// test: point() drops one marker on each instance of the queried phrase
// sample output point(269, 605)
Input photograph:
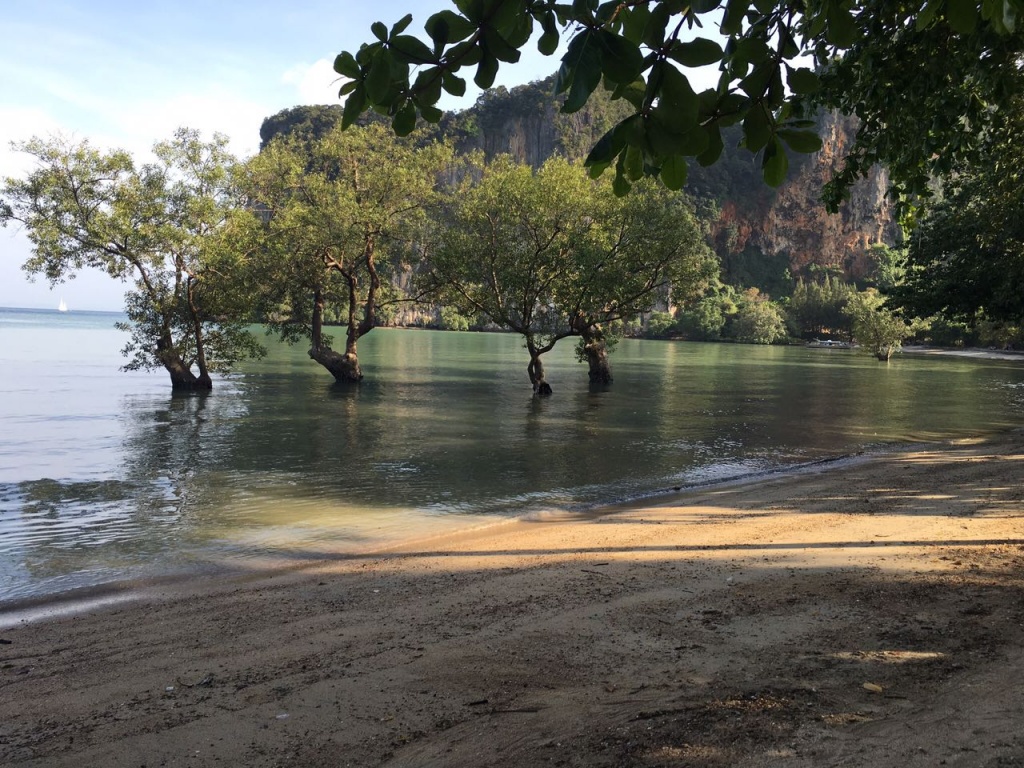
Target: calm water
point(105, 475)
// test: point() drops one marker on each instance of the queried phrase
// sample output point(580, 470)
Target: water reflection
point(280, 461)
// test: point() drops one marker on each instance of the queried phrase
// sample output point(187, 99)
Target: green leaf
point(467, 53)
point(800, 141)
point(378, 79)
point(498, 47)
point(962, 15)
point(456, 86)
point(505, 15)
point(927, 15)
point(696, 53)
point(401, 25)
point(606, 149)
point(379, 31)
point(449, 26)
point(678, 102)
point(431, 114)
point(632, 92)
point(775, 164)
point(620, 186)
point(580, 71)
point(404, 121)
point(841, 29)
point(757, 128)
point(471, 9)
point(732, 21)
point(621, 60)
point(714, 149)
point(411, 50)
point(704, 6)
point(693, 142)
point(634, 22)
point(353, 106)
point(548, 42)
point(486, 71)
point(347, 88)
point(755, 85)
point(654, 32)
point(345, 64)
point(673, 172)
point(634, 163)
point(803, 81)
point(428, 86)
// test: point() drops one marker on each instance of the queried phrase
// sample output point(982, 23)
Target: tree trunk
point(344, 368)
point(203, 381)
point(182, 378)
point(596, 351)
point(536, 372)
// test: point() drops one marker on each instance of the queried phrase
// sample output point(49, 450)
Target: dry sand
point(863, 615)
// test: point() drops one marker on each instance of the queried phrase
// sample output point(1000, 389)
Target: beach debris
point(281, 716)
point(5, 641)
point(873, 687)
point(169, 689)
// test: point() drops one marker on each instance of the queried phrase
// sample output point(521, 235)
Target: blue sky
point(126, 74)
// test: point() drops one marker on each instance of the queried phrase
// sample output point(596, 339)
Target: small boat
point(62, 307)
point(829, 344)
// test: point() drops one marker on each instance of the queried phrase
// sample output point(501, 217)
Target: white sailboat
point(62, 307)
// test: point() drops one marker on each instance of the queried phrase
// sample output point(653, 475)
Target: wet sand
point(864, 614)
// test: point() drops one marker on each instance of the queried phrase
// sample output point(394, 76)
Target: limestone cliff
point(764, 237)
point(786, 228)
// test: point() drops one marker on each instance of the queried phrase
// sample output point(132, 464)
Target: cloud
point(21, 124)
point(316, 83)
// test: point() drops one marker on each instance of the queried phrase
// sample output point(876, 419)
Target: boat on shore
point(829, 344)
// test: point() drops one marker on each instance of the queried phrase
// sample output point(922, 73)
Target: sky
point(126, 74)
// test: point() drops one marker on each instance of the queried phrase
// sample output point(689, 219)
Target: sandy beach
point(865, 614)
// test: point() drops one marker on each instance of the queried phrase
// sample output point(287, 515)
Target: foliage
point(818, 308)
point(338, 213)
point(660, 324)
point(551, 254)
point(706, 318)
point(965, 260)
point(453, 320)
point(875, 326)
point(888, 267)
point(920, 121)
point(308, 122)
point(759, 319)
point(168, 226)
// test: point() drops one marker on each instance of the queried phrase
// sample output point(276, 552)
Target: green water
point(105, 475)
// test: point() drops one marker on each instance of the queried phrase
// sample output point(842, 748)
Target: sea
point(109, 479)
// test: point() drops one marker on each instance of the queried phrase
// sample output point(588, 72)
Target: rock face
point(787, 229)
point(791, 220)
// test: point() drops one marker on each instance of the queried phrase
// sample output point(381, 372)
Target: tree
point(167, 226)
point(817, 308)
point(965, 260)
point(875, 326)
point(926, 78)
point(551, 254)
point(759, 319)
point(705, 318)
point(338, 213)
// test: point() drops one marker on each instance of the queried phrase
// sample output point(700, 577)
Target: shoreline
point(76, 600)
point(871, 614)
